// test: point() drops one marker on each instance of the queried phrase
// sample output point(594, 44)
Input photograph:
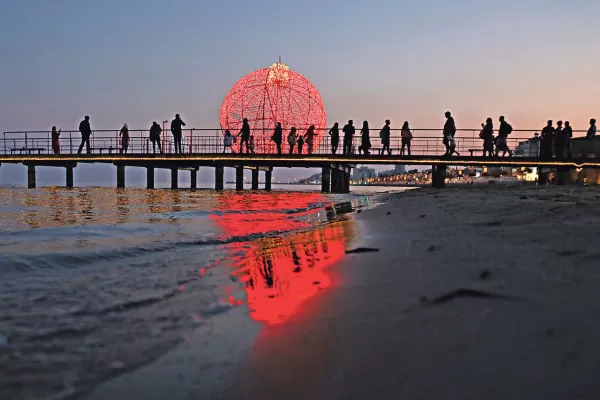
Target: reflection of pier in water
point(281, 271)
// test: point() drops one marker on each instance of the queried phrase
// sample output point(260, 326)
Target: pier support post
point(239, 178)
point(219, 172)
point(345, 181)
point(193, 179)
point(69, 170)
point(542, 176)
point(326, 180)
point(174, 178)
point(268, 178)
point(120, 176)
point(438, 176)
point(150, 177)
point(31, 176)
point(335, 180)
point(255, 179)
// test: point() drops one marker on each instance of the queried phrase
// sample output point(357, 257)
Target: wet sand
point(475, 292)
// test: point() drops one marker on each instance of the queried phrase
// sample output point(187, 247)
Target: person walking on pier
point(449, 131)
point(300, 143)
point(251, 144)
point(385, 134)
point(124, 135)
point(567, 136)
point(245, 134)
point(546, 140)
point(349, 132)
point(86, 132)
point(559, 141)
point(502, 142)
point(334, 132)
point(487, 134)
point(155, 131)
point(227, 141)
point(592, 131)
point(292, 140)
point(365, 142)
point(406, 138)
point(278, 137)
point(55, 144)
point(176, 125)
point(310, 138)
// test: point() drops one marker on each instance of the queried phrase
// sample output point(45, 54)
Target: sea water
point(96, 281)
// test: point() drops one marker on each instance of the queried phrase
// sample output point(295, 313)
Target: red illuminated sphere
point(271, 95)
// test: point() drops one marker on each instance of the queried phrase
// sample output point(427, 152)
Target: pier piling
point(150, 177)
point(31, 176)
point(255, 179)
point(194, 179)
point(219, 172)
point(326, 180)
point(268, 178)
point(69, 170)
point(438, 176)
point(239, 178)
point(174, 178)
point(120, 176)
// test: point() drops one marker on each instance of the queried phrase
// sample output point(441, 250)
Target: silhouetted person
point(124, 135)
point(449, 131)
point(310, 138)
point(245, 134)
point(292, 139)
point(227, 141)
point(546, 140)
point(334, 132)
point(55, 144)
point(365, 140)
point(155, 131)
point(406, 138)
point(559, 141)
point(86, 132)
point(385, 134)
point(567, 136)
point(349, 132)
point(176, 125)
point(488, 138)
point(502, 142)
point(251, 144)
point(278, 137)
point(300, 143)
point(592, 131)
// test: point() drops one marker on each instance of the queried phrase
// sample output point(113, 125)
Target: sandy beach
point(474, 292)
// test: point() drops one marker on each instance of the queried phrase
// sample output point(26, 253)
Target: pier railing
point(211, 141)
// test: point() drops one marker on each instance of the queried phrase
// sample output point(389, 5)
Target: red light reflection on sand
point(282, 271)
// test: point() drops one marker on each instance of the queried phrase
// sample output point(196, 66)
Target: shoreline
point(476, 292)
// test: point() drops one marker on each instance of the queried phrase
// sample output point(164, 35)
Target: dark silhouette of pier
point(203, 148)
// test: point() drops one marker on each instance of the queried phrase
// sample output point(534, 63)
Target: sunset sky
point(137, 61)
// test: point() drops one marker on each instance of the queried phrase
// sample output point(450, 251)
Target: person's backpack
point(381, 133)
point(482, 134)
point(508, 129)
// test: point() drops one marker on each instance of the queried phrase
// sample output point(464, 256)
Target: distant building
point(363, 173)
point(528, 148)
point(400, 169)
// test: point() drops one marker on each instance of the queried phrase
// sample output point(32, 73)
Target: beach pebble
point(549, 332)
point(485, 274)
point(432, 248)
point(422, 216)
point(389, 213)
point(523, 197)
point(3, 342)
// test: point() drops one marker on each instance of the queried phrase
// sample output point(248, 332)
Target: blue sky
point(137, 61)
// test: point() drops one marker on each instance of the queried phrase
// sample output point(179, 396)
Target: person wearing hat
point(176, 125)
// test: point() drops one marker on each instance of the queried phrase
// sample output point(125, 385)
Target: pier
point(204, 149)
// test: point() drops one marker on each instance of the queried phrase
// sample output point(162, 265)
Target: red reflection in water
point(282, 271)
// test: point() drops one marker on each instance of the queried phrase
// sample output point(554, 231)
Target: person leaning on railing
point(55, 144)
point(155, 131)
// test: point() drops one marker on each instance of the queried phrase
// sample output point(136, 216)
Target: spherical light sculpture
point(271, 95)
